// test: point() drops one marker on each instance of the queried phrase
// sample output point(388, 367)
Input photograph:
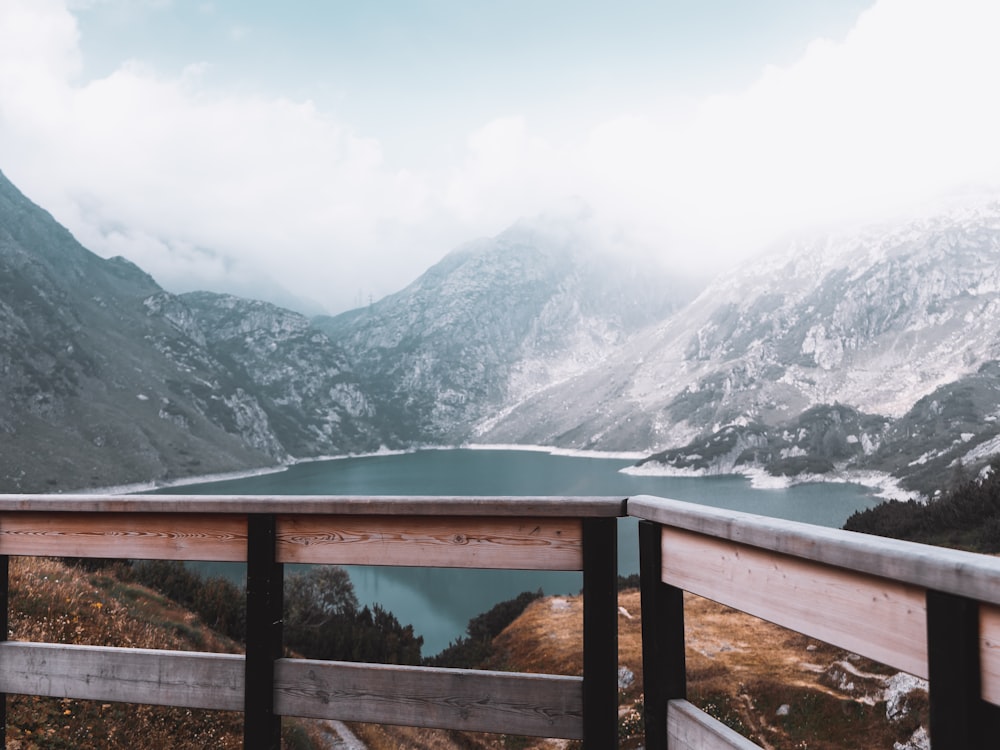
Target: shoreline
point(142, 487)
point(887, 486)
point(555, 451)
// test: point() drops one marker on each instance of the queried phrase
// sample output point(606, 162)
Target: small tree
point(323, 621)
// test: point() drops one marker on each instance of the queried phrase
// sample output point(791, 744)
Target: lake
point(439, 602)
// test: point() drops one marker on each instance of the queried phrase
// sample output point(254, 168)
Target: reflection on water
point(438, 601)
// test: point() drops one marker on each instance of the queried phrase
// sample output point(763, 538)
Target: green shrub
point(966, 516)
point(474, 649)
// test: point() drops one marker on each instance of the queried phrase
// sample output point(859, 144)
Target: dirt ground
point(780, 689)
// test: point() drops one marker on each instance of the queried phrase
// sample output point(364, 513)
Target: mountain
point(496, 321)
point(874, 319)
point(109, 379)
point(293, 394)
point(871, 350)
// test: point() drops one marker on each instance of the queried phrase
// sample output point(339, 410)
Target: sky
point(332, 151)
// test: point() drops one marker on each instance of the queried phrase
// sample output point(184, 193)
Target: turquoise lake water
point(439, 602)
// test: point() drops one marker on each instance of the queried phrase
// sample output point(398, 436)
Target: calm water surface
point(438, 601)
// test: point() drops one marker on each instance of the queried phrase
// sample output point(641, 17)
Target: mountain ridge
point(873, 350)
point(875, 319)
point(110, 380)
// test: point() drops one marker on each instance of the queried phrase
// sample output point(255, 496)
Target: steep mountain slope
point(82, 387)
point(493, 322)
point(875, 319)
point(871, 350)
point(300, 378)
point(108, 379)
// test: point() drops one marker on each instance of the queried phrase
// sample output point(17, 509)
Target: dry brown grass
point(51, 602)
point(740, 669)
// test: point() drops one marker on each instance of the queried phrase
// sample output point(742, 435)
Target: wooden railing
point(928, 611)
point(571, 533)
point(932, 612)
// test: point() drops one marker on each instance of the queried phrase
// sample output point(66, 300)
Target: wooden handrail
point(378, 505)
point(964, 573)
point(930, 611)
point(534, 533)
point(926, 610)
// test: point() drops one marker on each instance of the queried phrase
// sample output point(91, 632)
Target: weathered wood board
point(452, 542)
point(690, 728)
point(481, 701)
point(382, 505)
point(878, 618)
point(166, 536)
point(164, 678)
point(967, 574)
point(989, 652)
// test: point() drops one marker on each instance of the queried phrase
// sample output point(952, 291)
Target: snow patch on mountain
point(875, 318)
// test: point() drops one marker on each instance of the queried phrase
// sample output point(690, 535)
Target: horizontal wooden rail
point(140, 536)
point(963, 573)
point(928, 611)
point(132, 675)
point(427, 541)
point(541, 533)
point(875, 617)
point(472, 700)
point(381, 505)
point(443, 542)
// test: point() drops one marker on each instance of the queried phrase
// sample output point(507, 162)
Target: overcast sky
point(337, 149)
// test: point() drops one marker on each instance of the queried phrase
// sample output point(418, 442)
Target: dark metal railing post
point(959, 717)
point(664, 668)
point(600, 633)
point(4, 625)
point(261, 726)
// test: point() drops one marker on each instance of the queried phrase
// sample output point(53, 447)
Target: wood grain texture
point(878, 618)
point(163, 678)
point(480, 701)
point(989, 652)
point(388, 505)
point(166, 536)
point(965, 573)
point(449, 542)
point(690, 728)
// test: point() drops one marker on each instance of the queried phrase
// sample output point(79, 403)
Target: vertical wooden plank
point(664, 665)
point(600, 633)
point(956, 710)
point(689, 728)
point(4, 624)
point(261, 725)
point(989, 651)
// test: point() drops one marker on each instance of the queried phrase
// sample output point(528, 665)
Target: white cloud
point(138, 163)
point(896, 113)
point(193, 183)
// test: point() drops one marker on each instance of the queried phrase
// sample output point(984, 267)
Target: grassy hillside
point(967, 516)
point(781, 689)
point(50, 601)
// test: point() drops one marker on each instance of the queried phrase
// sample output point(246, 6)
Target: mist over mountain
point(109, 379)
point(873, 350)
point(874, 319)
point(496, 321)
